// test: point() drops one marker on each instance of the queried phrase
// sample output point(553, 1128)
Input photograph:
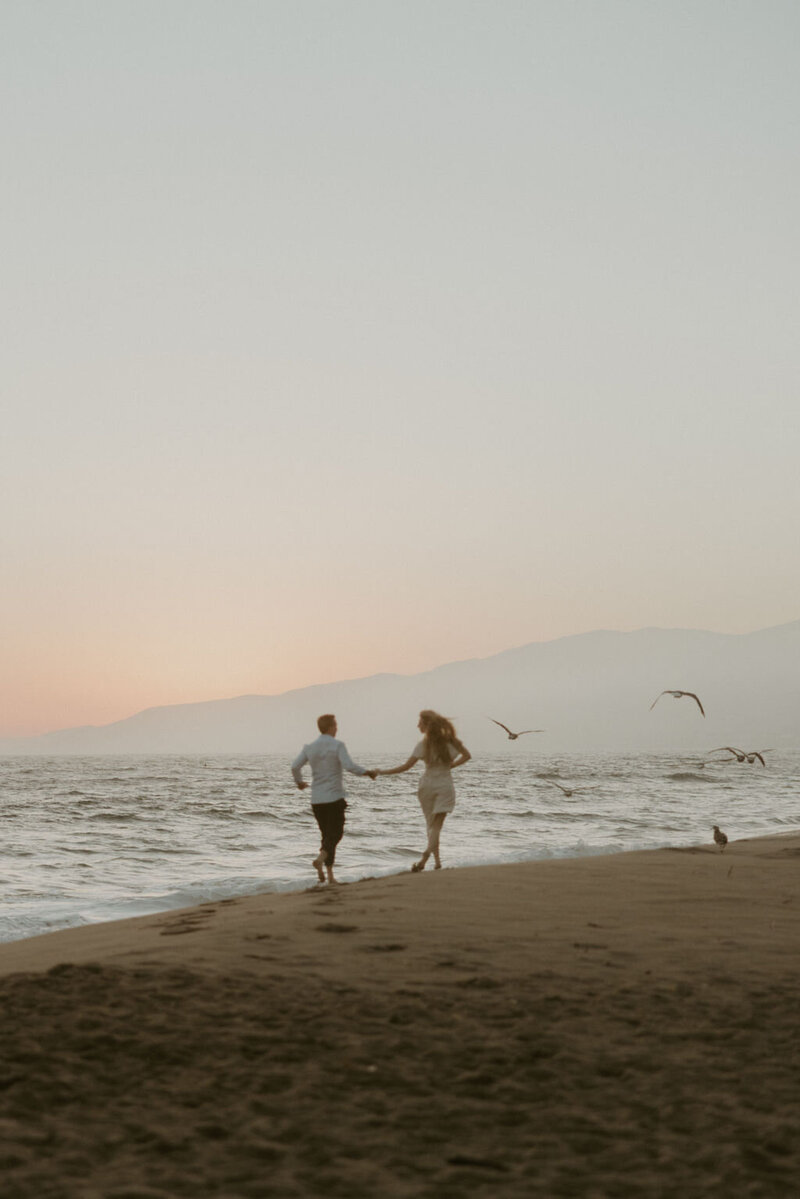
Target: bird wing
point(695, 698)
point(657, 698)
point(531, 731)
point(502, 726)
point(729, 748)
point(552, 784)
point(756, 754)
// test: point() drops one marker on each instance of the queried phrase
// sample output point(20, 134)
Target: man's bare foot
point(317, 864)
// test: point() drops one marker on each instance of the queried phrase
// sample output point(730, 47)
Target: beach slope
point(607, 1026)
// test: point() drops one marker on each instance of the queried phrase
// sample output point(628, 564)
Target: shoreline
point(97, 936)
point(613, 1024)
point(300, 885)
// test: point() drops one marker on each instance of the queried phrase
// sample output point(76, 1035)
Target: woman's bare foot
point(318, 864)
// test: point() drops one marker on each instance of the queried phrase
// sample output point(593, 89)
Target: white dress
point(436, 792)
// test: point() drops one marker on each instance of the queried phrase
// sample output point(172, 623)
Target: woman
point(441, 751)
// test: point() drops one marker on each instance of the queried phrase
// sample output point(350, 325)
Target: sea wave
point(689, 777)
point(98, 839)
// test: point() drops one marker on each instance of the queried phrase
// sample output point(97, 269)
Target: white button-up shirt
point(327, 757)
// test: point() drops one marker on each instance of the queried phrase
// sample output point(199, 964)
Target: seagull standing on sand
point(678, 695)
point(567, 790)
point(720, 838)
point(513, 736)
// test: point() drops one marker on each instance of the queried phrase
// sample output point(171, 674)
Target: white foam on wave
point(59, 868)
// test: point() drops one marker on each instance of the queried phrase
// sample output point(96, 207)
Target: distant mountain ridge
point(588, 691)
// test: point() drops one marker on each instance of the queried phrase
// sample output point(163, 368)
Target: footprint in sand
point(337, 928)
point(175, 930)
point(478, 1163)
point(190, 924)
point(387, 947)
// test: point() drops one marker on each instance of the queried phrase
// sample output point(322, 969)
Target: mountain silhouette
point(590, 691)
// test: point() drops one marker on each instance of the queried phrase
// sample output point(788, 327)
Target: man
point(327, 757)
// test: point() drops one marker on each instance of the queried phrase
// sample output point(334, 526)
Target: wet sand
point(618, 1026)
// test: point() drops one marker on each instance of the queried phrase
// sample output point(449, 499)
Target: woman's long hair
point(439, 735)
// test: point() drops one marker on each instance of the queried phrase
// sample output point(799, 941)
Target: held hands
point(301, 786)
point(373, 774)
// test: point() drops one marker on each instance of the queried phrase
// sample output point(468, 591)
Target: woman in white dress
point(441, 751)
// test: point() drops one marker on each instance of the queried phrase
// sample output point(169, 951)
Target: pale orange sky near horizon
point(362, 338)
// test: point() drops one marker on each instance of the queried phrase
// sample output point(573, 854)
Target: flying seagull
point(743, 755)
point(678, 695)
point(738, 754)
point(720, 838)
point(513, 736)
point(568, 791)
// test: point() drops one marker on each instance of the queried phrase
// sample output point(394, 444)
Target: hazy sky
point(345, 337)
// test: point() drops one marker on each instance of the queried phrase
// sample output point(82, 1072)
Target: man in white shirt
point(327, 757)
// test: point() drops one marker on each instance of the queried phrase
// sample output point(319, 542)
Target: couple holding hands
point(440, 750)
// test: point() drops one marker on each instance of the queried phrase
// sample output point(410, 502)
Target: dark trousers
point(330, 818)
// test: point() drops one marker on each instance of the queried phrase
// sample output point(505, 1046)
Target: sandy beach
point(609, 1026)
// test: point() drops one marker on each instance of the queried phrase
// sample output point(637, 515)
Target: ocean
point(102, 838)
